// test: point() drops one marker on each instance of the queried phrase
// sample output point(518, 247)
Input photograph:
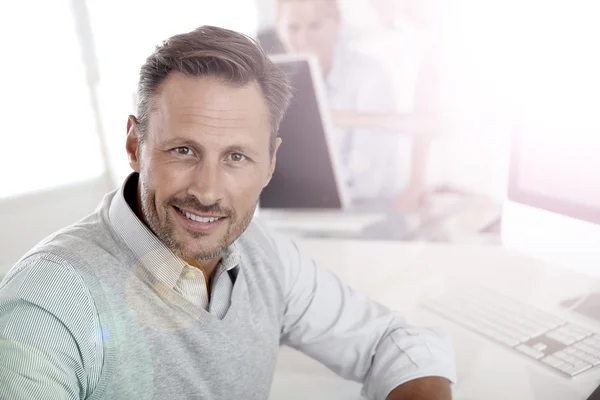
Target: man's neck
point(134, 199)
point(207, 267)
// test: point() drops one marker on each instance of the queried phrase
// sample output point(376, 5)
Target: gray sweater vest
point(155, 344)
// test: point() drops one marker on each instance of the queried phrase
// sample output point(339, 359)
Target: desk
point(410, 272)
point(443, 218)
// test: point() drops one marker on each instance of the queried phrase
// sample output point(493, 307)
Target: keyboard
point(553, 342)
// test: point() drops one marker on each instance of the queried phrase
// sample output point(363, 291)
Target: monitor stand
point(588, 306)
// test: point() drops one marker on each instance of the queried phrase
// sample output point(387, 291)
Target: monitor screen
point(558, 172)
point(306, 175)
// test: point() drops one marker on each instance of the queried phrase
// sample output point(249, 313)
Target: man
point(376, 163)
point(171, 290)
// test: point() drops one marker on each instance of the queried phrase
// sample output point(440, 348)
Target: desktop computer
point(552, 213)
point(307, 193)
point(553, 206)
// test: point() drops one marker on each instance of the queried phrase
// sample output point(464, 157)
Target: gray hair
point(213, 51)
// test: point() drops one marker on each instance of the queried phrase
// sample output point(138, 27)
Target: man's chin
point(208, 250)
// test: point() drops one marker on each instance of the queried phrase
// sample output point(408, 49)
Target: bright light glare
point(540, 57)
point(49, 135)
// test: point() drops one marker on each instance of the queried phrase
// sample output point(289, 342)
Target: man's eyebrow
point(240, 148)
point(181, 142)
point(186, 142)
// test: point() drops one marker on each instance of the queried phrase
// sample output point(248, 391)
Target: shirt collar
point(150, 251)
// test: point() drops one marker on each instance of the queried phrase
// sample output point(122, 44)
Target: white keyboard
point(562, 346)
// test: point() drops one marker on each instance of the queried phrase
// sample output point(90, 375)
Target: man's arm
point(357, 338)
point(47, 348)
point(429, 388)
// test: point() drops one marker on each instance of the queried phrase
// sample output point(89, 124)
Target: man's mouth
point(199, 218)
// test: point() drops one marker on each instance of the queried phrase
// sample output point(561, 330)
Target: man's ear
point(132, 144)
point(273, 161)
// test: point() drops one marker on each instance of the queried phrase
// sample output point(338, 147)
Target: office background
point(70, 68)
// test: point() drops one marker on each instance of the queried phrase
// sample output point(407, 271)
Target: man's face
point(309, 27)
point(203, 163)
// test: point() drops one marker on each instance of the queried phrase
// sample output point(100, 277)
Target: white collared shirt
point(170, 270)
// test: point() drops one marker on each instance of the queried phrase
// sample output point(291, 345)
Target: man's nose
point(207, 184)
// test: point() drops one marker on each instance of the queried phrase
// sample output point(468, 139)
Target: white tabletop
point(404, 274)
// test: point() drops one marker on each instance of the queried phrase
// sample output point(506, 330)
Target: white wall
point(25, 220)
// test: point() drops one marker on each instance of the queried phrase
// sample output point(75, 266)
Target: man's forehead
point(190, 99)
point(180, 89)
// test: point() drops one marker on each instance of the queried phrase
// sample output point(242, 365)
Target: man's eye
point(237, 157)
point(183, 151)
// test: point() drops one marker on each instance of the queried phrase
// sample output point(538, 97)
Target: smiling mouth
point(198, 218)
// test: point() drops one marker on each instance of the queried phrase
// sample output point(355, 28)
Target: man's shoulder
point(40, 277)
point(90, 235)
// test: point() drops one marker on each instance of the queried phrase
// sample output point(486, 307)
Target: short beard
point(165, 230)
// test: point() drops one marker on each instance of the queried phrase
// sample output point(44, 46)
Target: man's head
point(310, 27)
point(205, 138)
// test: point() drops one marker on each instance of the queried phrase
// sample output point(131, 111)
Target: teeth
point(200, 219)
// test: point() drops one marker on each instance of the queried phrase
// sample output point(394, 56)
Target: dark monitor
point(306, 174)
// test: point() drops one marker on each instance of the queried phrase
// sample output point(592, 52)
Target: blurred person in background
point(426, 119)
point(375, 164)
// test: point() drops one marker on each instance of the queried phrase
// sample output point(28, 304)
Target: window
point(49, 136)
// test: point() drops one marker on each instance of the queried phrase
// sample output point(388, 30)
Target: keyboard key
point(592, 343)
point(530, 351)
point(571, 350)
point(595, 339)
point(540, 346)
point(590, 359)
point(559, 337)
point(574, 332)
point(585, 348)
point(566, 357)
point(576, 369)
point(552, 361)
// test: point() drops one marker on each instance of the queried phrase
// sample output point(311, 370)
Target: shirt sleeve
point(355, 337)
point(49, 333)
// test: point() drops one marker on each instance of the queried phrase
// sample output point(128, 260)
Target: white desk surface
point(403, 274)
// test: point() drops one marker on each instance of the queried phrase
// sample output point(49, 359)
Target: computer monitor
point(306, 175)
point(553, 206)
